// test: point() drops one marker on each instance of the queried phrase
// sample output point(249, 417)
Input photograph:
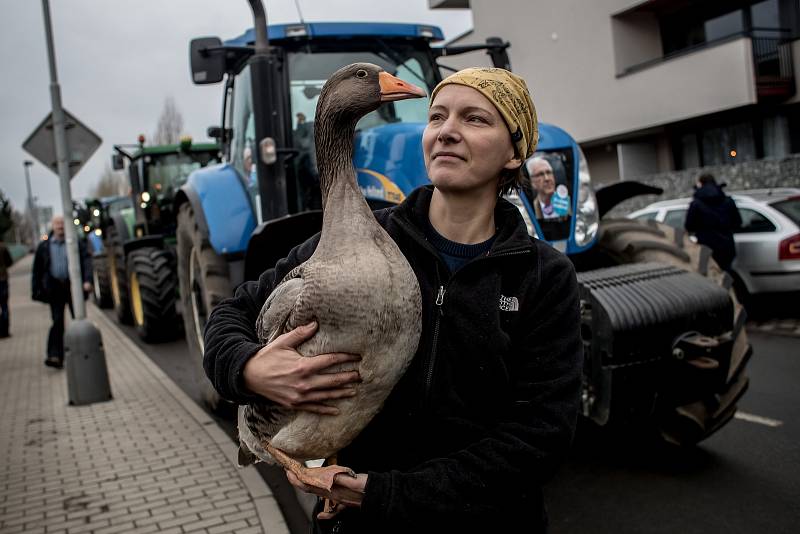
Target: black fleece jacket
point(487, 409)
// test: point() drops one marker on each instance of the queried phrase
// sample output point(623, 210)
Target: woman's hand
point(281, 374)
point(347, 491)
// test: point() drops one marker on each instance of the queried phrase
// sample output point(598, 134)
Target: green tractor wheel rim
point(96, 286)
point(112, 270)
point(136, 301)
point(196, 297)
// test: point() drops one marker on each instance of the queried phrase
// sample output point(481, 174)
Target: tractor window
point(309, 70)
point(549, 189)
point(310, 67)
point(243, 145)
point(166, 173)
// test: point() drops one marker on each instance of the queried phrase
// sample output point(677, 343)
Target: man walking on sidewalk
point(5, 263)
point(50, 284)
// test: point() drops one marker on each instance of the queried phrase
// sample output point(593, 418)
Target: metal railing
point(772, 60)
point(773, 66)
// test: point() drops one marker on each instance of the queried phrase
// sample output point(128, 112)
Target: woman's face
point(466, 143)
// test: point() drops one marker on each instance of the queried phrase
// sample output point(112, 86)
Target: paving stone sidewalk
point(149, 460)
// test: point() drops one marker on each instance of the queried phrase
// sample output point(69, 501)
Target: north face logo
point(509, 303)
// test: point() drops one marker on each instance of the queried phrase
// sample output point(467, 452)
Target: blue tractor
point(656, 356)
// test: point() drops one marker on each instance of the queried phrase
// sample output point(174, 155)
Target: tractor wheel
point(118, 273)
point(623, 241)
point(152, 287)
point(102, 283)
point(204, 282)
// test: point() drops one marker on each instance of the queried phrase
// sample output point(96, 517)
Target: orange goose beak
point(393, 88)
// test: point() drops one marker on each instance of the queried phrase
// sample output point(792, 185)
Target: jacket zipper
point(432, 358)
point(439, 303)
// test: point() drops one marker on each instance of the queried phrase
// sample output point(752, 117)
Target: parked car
point(767, 244)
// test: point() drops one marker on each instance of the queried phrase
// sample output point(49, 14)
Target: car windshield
point(789, 207)
point(649, 216)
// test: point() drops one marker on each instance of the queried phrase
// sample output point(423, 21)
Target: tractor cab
point(155, 174)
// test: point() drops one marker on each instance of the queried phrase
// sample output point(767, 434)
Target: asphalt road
point(744, 479)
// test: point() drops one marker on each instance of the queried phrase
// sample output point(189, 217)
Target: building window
point(777, 140)
point(736, 137)
point(765, 19)
point(690, 156)
point(729, 144)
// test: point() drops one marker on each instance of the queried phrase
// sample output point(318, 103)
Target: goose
point(357, 285)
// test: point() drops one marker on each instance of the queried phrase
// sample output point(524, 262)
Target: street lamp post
point(87, 373)
point(31, 205)
point(59, 133)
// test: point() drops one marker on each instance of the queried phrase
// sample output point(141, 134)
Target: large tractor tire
point(118, 274)
point(623, 241)
point(101, 281)
point(204, 282)
point(152, 286)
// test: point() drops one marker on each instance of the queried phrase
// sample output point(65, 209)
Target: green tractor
point(100, 213)
point(139, 240)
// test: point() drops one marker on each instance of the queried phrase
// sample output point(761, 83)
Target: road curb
point(266, 506)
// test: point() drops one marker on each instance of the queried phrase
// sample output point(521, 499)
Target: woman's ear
point(513, 164)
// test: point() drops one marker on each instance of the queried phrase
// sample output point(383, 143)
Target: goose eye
point(361, 73)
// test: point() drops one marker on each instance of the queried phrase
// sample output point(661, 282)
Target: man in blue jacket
point(50, 284)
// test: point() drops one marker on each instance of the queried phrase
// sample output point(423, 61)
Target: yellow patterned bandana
point(509, 94)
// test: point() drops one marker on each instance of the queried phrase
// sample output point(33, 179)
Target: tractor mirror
point(117, 163)
point(207, 57)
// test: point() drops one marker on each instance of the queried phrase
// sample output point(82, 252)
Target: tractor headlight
point(587, 219)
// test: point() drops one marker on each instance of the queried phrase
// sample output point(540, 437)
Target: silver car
point(768, 243)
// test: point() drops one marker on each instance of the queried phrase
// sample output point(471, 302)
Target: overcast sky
point(118, 60)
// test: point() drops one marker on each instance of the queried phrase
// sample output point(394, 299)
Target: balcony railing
point(772, 60)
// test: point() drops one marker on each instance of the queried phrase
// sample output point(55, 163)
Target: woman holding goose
point(486, 407)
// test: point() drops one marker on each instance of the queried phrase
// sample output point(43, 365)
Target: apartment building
point(656, 85)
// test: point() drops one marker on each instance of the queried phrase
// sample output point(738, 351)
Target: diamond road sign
point(81, 143)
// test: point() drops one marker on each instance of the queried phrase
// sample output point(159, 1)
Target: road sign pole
point(62, 155)
point(87, 374)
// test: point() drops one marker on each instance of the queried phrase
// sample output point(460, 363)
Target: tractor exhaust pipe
point(260, 26)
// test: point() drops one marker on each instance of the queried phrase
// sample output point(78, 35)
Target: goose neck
point(334, 143)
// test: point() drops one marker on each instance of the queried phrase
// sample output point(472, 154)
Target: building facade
point(655, 86)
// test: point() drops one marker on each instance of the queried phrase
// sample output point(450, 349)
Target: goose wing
point(259, 421)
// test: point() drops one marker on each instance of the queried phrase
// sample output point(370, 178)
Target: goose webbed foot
point(316, 477)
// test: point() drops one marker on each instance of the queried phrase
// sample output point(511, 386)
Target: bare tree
point(170, 124)
point(111, 183)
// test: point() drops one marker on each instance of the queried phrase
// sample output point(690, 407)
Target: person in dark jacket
point(50, 284)
point(5, 262)
point(713, 217)
point(487, 409)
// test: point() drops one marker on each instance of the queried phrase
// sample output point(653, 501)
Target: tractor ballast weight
point(641, 327)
